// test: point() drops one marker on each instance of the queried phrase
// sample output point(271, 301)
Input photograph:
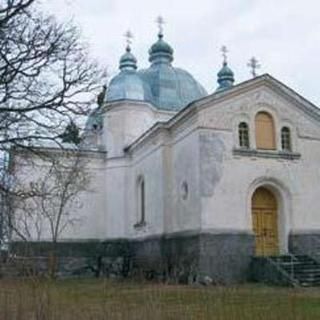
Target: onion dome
point(160, 51)
point(162, 85)
point(171, 88)
point(126, 84)
point(128, 61)
point(225, 77)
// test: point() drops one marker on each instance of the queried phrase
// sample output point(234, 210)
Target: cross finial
point(129, 37)
point(254, 65)
point(160, 22)
point(224, 51)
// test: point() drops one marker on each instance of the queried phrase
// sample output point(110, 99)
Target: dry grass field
point(99, 299)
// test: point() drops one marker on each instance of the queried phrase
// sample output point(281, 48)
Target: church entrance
point(265, 222)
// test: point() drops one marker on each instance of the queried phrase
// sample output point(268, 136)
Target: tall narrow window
point(265, 137)
point(243, 135)
point(285, 139)
point(141, 200)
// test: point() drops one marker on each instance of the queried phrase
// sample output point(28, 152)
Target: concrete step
point(308, 284)
point(301, 269)
point(305, 276)
point(307, 271)
point(283, 259)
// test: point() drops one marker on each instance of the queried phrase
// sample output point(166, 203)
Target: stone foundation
point(226, 257)
point(305, 243)
point(181, 258)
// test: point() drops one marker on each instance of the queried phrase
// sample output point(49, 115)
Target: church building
point(198, 183)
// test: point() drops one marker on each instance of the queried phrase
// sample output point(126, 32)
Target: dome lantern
point(128, 61)
point(126, 85)
point(160, 51)
point(225, 75)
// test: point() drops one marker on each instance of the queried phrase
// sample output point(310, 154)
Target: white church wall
point(193, 177)
point(306, 179)
point(228, 205)
point(169, 164)
point(85, 219)
point(185, 200)
point(147, 164)
point(27, 222)
point(92, 223)
point(115, 201)
point(126, 121)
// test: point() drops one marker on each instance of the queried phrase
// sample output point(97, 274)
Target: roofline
point(57, 150)
point(221, 95)
point(112, 104)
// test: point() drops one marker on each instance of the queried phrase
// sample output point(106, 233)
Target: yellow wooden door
point(265, 222)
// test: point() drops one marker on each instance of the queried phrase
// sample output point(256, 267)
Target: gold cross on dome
point(253, 64)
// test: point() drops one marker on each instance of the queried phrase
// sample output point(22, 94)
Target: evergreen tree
point(71, 134)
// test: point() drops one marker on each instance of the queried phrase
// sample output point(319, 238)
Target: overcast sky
point(283, 34)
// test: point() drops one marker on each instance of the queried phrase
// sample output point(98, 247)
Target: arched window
point(243, 135)
point(265, 138)
point(285, 139)
point(141, 200)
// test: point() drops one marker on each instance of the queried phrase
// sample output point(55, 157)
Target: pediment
point(262, 93)
point(222, 109)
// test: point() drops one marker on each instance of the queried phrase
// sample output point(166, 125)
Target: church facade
point(198, 183)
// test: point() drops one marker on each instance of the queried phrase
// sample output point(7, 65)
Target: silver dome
point(126, 85)
point(161, 84)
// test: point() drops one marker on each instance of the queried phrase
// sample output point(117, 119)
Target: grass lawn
point(105, 299)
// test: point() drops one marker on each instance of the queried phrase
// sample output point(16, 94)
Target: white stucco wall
point(114, 199)
point(124, 122)
point(147, 163)
point(185, 211)
point(86, 218)
point(196, 149)
point(166, 161)
point(92, 218)
point(294, 182)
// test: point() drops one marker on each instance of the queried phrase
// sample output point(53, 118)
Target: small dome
point(170, 88)
point(127, 84)
point(128, 61)
point(225, 77)
point(160, 51)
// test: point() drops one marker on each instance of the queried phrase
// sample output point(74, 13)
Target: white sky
point(283, 34)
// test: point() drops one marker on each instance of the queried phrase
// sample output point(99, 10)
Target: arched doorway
point(264, 209)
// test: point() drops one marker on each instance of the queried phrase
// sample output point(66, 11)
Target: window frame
point(141, 201)
point(286, 139)
point(244, 135)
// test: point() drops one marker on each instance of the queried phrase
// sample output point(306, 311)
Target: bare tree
point(47, 80)
point(52, 189)
point(46, 76)
point(11, 8)
point(52, 194)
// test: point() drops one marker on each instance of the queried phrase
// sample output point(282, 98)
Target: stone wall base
point(181, 258)
point(305, 244)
